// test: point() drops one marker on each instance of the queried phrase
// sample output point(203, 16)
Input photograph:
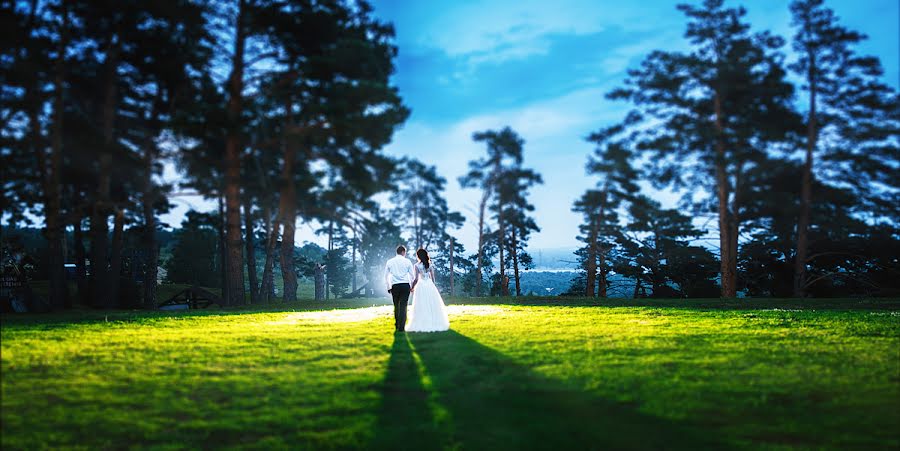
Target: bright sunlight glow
point(374, 312)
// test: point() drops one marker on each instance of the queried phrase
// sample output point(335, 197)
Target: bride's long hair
point(423, 257)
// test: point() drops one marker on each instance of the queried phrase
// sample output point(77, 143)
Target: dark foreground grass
point(540, 376)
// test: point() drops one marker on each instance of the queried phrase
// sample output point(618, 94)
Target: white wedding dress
point(428, 311)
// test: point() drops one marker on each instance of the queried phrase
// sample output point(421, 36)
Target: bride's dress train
point(428, 311)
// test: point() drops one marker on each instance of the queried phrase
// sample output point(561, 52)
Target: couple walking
point(403, 278)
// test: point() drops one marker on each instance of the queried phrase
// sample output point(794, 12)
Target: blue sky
point(543, 68)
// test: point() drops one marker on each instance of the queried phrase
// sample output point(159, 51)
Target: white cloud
point(501, 30)
point(620, 58)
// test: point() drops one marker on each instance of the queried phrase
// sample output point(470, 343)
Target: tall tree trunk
point(602, 282)
point(49, 174)
point(417, 229)
point(725, 240)
point(234, 280)
point(149, 236)
point(50, 195)
point(515, 257)
point(601, 253)
point(151, 273)
point(590, 288)
point(320, 282)
point(55, 232)
point(288, 273)
point(735, 222)
point(481, 210)
point(267, 289)
point(223, 254)
point(812, 136)
point(452, 245)
point(732, 256)
point(501, 230)
point(727, 257)
point(84, 294)
point(100, 279)
point(287, 208)
point(251, 251)
point(330, 249)
point(656, 272)
point(273, 229)
point(266, 284)
point(99, 230)
point(115, 258)
point(353, 261)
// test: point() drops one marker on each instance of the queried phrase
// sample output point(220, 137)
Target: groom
point(398, 274)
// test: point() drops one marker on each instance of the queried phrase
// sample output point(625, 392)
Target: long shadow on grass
point(495, 403)
point(406, 418)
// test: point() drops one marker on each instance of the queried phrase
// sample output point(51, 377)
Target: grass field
point(570, 374)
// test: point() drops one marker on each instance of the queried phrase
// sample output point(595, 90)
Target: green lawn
point(544, 375)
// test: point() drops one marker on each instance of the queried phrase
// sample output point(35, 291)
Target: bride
point(428, 313)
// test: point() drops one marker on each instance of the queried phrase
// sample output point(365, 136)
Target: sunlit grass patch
point(505, 377)
point(382, 312)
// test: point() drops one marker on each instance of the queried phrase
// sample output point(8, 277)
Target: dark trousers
point(400, 293)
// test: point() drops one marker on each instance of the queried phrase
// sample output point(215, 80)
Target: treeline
point(276, 109)
point(797, 161)
point(417, 215)
point(279, 110)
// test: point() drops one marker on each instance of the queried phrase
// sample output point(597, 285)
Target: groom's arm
point(387, 278)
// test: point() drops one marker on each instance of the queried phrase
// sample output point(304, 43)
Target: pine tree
point(504, 150)
point(715, 112)
point(514, 186)
point(658, 241)
point(854, 112)
point(173, 48)
point(34, 77)
point(616, 185)
point(848, 254)
point(102, 109)
point(337, 108)
point(420, 203)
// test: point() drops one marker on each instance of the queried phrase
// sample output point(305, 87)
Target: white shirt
point(398, 270)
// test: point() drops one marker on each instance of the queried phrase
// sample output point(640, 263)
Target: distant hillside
point(560, 258)
point(558, 281)
point(538, 282)
point(554, 269)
